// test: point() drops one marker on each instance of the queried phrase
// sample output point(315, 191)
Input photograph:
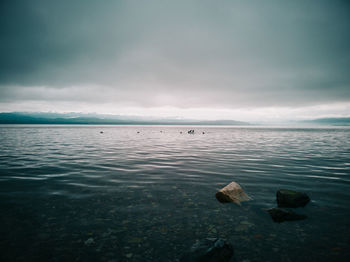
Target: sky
point(241, 60)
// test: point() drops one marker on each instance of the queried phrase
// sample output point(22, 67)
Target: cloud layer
point(182, 54)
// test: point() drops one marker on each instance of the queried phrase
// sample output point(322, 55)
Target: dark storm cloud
point(177, 53)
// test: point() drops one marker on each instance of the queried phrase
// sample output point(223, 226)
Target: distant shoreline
point(67, 119)
point(121, 124)
point(18, 118)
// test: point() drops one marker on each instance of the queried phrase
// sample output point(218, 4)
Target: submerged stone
point(90, 241)
point(280, 215)
point(233, 192)
point(209, 250)
point(290, 198)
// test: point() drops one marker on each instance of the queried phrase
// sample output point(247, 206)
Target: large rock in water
point(290, 198)
point(209, 250)
point(279, 215)
point(233, 192)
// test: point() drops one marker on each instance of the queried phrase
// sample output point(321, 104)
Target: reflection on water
point(70, 193)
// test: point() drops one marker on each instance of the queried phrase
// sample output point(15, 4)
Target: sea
point(147, 193)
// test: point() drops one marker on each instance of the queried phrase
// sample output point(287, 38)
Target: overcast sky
point(244, 60)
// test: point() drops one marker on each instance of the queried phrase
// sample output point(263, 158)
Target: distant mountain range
point(104, 119)
point(96, 119)
point(332, 121)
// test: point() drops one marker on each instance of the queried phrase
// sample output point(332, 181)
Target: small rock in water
point(290, 198)
point(89, 241)
point(280, 215)
point(233, 192)
point(209, 250)
point(213, 230)
point(101, 132)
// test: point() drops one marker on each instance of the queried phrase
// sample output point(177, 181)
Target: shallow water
point(70, 193)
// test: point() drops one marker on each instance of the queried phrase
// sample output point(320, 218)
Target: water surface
point(71, 193)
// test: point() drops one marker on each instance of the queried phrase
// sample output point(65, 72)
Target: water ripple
point(262, 158)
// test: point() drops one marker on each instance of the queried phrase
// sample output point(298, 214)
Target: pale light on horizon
point(255, 115)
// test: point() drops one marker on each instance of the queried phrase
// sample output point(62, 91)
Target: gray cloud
point(176, 53)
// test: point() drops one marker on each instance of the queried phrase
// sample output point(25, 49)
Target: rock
point(280, 215)
point(209, 250)
point(290, 198)
point(90, 241)
point(232, 193)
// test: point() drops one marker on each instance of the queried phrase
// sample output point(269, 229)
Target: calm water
point(70, 193)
